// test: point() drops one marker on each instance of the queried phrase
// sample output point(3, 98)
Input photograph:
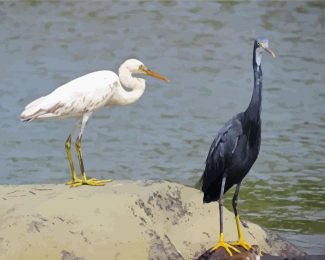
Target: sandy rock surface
point(122, 220)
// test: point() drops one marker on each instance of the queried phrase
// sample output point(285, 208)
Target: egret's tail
point(26, 115)
point(34, 103)
point(31, 110)
point(37, 109)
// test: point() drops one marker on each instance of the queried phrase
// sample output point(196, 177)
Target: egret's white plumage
point(86, 94)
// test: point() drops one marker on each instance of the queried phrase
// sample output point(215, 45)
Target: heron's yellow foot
point(242, 243)
point(225, 245)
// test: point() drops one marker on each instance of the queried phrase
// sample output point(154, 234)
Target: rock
point(122, 220)
point(221, 254)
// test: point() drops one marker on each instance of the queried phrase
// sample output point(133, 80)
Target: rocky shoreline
point(122, 220)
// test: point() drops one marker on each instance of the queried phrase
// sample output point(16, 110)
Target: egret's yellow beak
point(154, 74)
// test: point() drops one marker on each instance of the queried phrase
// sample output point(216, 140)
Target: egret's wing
point(87, 93)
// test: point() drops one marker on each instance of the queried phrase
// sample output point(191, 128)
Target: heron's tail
point(198, 184)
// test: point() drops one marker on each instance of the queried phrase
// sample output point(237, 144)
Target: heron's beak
point(269, 51)
point(154, 74)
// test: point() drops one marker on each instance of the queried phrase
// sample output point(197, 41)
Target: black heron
point(234, 151)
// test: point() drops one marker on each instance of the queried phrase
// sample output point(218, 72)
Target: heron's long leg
point(222, 242)
point(85, 180)
point(240, 242)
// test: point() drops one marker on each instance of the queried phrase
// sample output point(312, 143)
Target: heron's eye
point(141, 67)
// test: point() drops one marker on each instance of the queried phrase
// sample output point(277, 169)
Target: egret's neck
point(135, 85)
point(128, 80)
point(254, 109)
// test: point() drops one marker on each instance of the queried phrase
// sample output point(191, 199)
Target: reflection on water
point(205, 49)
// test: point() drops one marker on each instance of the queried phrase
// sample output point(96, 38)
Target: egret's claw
point(74, 181)
point(90, 182)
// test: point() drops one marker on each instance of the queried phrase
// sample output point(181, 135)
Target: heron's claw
point(242, 243)
point(225, 245)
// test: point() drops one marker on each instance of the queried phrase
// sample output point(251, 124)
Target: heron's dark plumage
point(234, 151)
point(236, 146)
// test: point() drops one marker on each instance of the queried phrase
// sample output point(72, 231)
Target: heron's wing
point(225, 143)
point(221, 152)
point(84, 94)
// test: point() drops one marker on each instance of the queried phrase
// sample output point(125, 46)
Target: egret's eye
point(141, 67)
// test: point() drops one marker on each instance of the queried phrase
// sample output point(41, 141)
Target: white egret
point(82, 96)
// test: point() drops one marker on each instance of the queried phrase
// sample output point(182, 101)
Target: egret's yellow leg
point(225, 245)
point(74, 178)
point(240, 242)
point(84, 179)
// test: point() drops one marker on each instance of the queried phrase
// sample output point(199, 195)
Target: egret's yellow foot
point(225, 245)
point(240, 242)
point(92, 182)
point(73, 181)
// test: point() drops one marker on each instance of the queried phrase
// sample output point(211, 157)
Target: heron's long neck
point(135, 85)
point(254, 109)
